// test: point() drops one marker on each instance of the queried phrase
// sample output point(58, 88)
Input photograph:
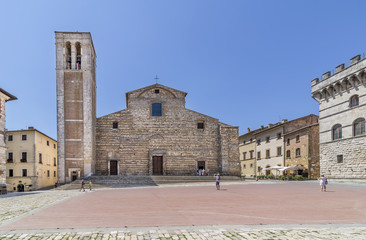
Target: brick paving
point(33, 204)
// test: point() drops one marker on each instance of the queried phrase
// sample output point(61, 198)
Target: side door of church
point(113, 167)
point(157, 165)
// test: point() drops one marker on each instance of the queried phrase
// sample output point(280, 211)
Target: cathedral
point(154, 135)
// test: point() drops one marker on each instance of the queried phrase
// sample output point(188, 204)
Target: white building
point(342, 113)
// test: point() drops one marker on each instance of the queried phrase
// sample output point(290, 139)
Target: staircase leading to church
point(122, 181)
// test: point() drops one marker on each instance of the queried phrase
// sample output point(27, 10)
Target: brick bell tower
point(76, 105)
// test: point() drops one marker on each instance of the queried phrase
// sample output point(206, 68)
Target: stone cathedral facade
point(154, 135)
point(342, 113)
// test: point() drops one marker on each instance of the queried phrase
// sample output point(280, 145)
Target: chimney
point(284, 120)
point(326, 75)
point(355, 59)
point(262, 127)
point(248, 130)
point(270, 124)
point(30, 128)
point(339, 68)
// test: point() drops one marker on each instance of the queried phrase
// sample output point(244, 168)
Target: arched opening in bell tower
point(68, 55)
point(78, 55)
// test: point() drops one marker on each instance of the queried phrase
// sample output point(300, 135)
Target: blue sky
point(247, 63)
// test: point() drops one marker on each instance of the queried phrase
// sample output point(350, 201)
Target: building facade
point(247, 154)
point(157, 135)
point(302, 148)
point(283, 144)
point(76, 104)
point(31, 160)
point(4, 97)
point(342, 113)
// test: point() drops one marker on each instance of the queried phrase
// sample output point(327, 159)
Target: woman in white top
point(323, 183)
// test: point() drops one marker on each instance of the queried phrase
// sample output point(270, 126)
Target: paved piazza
point(246, 210)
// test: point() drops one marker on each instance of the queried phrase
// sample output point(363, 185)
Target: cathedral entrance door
point(157, 165)
point(113, 167)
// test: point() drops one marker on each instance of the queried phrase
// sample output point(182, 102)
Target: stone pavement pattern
point(343, 227)
point(208, 232)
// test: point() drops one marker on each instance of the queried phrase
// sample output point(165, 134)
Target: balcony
point(23, 160)
point(9, 160)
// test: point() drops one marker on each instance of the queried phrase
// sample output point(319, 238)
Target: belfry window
point(78, 56)
point(68, 55)
point(156, 109)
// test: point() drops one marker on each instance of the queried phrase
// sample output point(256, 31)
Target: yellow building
point(247, 154)
point(31, 160)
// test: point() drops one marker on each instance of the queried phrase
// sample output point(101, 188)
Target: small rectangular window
point(279, 151)
point(156, 109)
point(54, 173)
point(48, 173)
point(10, 157)
point(10, 138)
point(244, 166)
point(339, 158)
point(298, 138)
point(258, 155)
point(48, 143)
point(267, 139)
point(251, 165)
point(54, 146)
point(40, 158)
point(157, 91)
point(115, 124)
point(245, 155)
point(268, 153)
point(54, 161)
point(251, 154)
point(258, 142)
point(279, 135)
point(24, 137)
point(24, 172)
point(11, 173)
point(24, 157)
point(200, 125)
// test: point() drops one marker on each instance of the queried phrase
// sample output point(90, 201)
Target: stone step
point(100, 181)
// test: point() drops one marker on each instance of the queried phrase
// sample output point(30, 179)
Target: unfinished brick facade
point(179, 140)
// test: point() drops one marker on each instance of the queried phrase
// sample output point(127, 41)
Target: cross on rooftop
point(156, 78)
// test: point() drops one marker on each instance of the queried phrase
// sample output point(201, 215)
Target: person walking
point(90, 185)
point(82, 185)
point(323, 183)
point(217, 176)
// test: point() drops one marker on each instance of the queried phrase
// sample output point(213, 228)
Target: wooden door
point(157, 165)
point(113, 170)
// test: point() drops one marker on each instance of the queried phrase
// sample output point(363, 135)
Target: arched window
point(288, 154)
point(156, 109)
point(78, 56)
point(68, 55)
point(359, 127)
point(337, 132)
point(353, 101)
point(298, 154)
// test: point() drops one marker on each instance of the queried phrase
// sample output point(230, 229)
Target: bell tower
point(76, 105)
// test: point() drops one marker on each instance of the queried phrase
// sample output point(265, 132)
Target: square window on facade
point(200, 125)
point(10, 157)
point(157, 91)
point(339, 158)
point(115, 124)
point(298, 138)
point(244, 166)
point(10, 138)
point(251, 165)
point(24, 137)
